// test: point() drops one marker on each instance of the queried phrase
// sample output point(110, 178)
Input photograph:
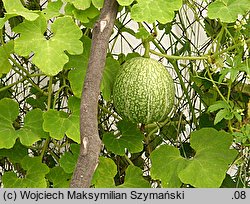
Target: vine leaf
point(73, 132)
point(105, 173)
point(32, 130)
point(15, 8)
point(85, 16)
point(78, 65)
point(69, 159)
point(110, 71)
point(142, 34)
point(15, 154)
point(160, 10)
point(213, 155)
point(59, 123)
point(56, 123)
point(227, 10)
point(129, 138)
point(53, 9)
point(134, 178)
point(206, 169)
point(50, 54)
point(34, 176)
point(125, 2)
point(80, 4)
point(98, 3)
point(5, 52)
point(218, 105)
point(83, 5)
point(9, 110)
point(30, 133)
point(168, 170)
point(59, 178)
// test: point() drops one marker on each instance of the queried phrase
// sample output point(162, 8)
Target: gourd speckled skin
point(143, 91)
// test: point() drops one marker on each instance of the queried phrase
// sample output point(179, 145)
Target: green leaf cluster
point(206, 169)
point(31, 131)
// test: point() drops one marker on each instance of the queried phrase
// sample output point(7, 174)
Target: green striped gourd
point(143, 91)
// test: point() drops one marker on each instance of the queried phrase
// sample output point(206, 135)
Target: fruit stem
point(147, 48)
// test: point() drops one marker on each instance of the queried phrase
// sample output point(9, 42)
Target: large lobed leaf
point(30, 133)
point(5, 52)
point(228, 10)
point(15, 8)
point(78, 65)
point(152, 10)
point(130, 138)
point(59, 123)
point(34, 176)
point(59, 177)
point(50, 54)
point(105, 173)
point(206, 169)
point(69, 159)
point(166, 164)
point(134, 178)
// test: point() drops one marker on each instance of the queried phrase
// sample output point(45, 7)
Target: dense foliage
point(44, 51)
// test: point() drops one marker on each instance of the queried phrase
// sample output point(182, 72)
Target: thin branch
point(90, 141)
point(174, 57)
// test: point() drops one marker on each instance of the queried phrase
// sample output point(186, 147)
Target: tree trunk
point(90, 141)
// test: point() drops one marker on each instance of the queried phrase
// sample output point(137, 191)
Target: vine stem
point(50, 92)
point(57, 94)
point(109, 112)
point(175, 57)
point(229, 48)
point(215, 86)
point(146, 45)
point(176, 68)
point(128, 160)
point(27, 76)
point(20, 81)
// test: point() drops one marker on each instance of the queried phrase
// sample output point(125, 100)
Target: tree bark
point(90, 140)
